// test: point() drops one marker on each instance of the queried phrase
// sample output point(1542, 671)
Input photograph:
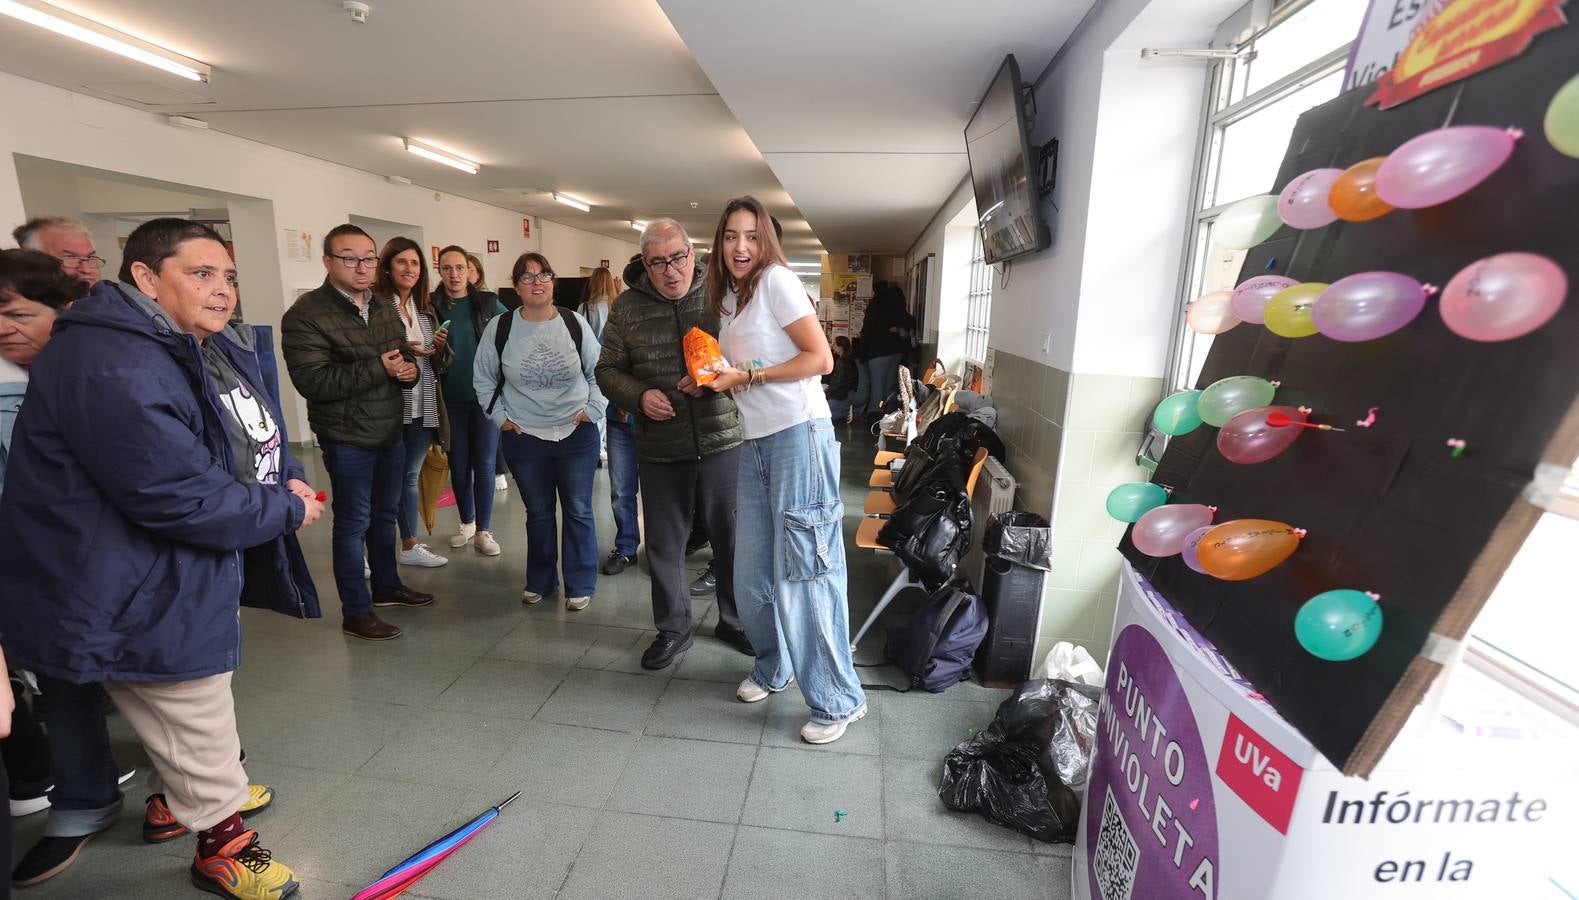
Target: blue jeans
point(85, 798)
point(623, 487)
point(862, 400)
point(416, 438)
point(793, 600)
point(885, 379)
point(474, 442)
point(364, 494)
point(840, 409)
point(543, 469)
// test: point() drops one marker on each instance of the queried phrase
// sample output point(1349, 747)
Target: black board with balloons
point(1400, 354)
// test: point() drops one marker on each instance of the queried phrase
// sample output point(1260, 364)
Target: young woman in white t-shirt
point(790, 576)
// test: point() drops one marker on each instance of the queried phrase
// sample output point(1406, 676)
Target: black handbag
point(930, 532)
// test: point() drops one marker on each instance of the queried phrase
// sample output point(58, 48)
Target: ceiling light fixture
point(89, 32)
point(442, 157)
point(638, 225)
point(187, 122)
point(807, 265)
point(570, 201)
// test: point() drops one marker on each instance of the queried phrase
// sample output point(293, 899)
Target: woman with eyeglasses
point(541, 392)
point(793, 600)
point(403, 280)
point(473, 439)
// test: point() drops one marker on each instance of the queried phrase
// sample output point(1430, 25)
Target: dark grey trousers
point(669, 494)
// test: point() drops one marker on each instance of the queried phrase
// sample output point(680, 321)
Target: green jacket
point(333, 359)
point(642, 350)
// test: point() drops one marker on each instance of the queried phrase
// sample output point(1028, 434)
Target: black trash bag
point(1027, 769)
point(1023, 538)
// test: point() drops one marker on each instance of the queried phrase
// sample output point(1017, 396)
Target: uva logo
point(1259, 773)
point(1249, 753)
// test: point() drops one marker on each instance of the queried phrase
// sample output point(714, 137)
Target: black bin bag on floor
point(1027, 769)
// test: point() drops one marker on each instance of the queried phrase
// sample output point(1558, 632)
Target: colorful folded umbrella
point(414, 867)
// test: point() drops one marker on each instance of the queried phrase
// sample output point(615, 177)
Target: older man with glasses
point(348, 357)
point(66, 240)
point(640, 370)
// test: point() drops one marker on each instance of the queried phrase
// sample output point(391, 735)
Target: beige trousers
point(189, 731)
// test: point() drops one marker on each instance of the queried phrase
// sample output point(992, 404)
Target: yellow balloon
point(1562, 119)
point(1288, 312)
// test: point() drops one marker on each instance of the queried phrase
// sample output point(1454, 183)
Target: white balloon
point(1246, 223)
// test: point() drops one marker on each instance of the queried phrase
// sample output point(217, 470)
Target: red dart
point(1279, 420)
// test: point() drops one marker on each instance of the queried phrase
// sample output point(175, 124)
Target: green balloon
point(1338, 625)
point(1562, 119)
point(1246, 223)
point(1232, 396)
point(1176, 414)
point(1129, 502)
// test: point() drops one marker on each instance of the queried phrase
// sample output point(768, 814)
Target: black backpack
point(501, 336)
point(936, 647)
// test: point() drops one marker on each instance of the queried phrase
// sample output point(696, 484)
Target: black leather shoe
point(617, 563)
point(664, 649)
point(735, 638)
point(404, 597)
point(48, 858)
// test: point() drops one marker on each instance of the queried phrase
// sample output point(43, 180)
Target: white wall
point(298, 192)
point(931, 241)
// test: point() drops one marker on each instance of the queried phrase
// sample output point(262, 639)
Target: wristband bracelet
point(759, 376)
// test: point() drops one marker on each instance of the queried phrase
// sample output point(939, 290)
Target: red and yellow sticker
point(1465, 37)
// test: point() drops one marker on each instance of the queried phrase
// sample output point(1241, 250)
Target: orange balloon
point(1245, 548)
point(1353, 195)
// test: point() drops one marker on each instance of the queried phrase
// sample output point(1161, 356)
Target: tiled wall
point(1031, 399)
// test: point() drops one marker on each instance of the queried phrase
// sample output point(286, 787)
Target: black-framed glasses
point(540, 278)
point(73, 261)
point(664, 263)
point(357, 262)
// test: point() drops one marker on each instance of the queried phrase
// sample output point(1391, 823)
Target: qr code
point(1117, 855)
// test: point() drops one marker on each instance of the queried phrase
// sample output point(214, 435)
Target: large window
point(978, 303)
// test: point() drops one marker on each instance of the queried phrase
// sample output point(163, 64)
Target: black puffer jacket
point(333, 359)
point(642, 351)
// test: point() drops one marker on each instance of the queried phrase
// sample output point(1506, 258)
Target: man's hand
point(314, 510)
point(394, 364)
point(655, 406)
point(689, 387)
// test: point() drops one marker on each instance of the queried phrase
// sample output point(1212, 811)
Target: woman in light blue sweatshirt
point(545, 399)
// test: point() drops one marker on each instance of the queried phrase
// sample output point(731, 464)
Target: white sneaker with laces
point(420, 555)
point(485, 543)
point(463, 537)
point(500, 484)
point(818, 733)
point(530, 598)
point(751, 692)
point(577, 603)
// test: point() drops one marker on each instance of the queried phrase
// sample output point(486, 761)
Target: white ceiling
point(857, 108)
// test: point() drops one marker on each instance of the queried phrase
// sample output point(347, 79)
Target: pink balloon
point(1248, 439)
point(1303, 203)
point(1188, 552)
point(1368, 305)
point(1503, 297)
point(1161, 532)
point(1249, 298)
point(1212, 313)
point(1439, 165)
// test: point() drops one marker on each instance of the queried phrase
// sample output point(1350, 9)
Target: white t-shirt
point(757, 337)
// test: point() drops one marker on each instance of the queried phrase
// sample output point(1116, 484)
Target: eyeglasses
point(540, 278)
point(357, 262)
point(73, 261)
point(664, 263)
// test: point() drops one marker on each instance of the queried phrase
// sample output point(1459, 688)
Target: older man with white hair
point(640, 370)
point(65, 239)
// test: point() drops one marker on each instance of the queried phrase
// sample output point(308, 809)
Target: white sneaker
point(577, 603)
point(818, 733)
point(500, 484)
point(531, 599)
point(420, 555)
point(751, 692)
point(463, 537)
point(485, 543)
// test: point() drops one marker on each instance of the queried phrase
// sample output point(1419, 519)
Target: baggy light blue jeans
point(793, 592)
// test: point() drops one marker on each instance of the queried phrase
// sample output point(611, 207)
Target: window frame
point(978, 302)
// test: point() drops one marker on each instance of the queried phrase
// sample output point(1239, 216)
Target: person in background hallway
point(66, 240)
point(474, 441)
point(151, 437)
point(843, 382)
point(403, 281)
point(861, 399)
point(601, 292)
point(793, 602)
point(885, 338)
point(475, 275)
point(542, 393)
point(688, 445)
point(346, 355)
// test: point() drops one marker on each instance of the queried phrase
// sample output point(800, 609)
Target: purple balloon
point(1248, 438)
point(1303, 203)
point(1439, 165)
point(1161, 532)
point(1250, 298)
point(1366, 306)
point(1187, 553)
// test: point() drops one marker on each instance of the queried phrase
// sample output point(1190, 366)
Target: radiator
point(994, 494)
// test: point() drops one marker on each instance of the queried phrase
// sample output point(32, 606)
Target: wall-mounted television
point(997, 139)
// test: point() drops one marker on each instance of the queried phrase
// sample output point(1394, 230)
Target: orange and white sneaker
point(159, 825)
point(244, 870)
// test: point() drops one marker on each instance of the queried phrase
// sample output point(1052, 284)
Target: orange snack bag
point(703, 358)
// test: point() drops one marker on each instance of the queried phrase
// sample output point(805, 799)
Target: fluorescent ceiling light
point(637, 224)
point(442, 157)
point(807, 265)
point(90, 32)
point(187, 122)
point(573, 202)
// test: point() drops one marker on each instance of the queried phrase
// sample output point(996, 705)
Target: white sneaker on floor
point(420, 555)
point(818, 733)
point(500, 484)
point(577, 603)
point(531, 599)
point(485, 543)
point(463, 537)
point(751, 692)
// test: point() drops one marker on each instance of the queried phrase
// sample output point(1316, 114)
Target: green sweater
point(463, 341)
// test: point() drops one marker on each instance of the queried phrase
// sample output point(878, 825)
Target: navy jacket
point(125, 540)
